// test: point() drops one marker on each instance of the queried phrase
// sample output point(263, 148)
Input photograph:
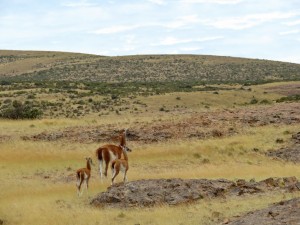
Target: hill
point(61, 66)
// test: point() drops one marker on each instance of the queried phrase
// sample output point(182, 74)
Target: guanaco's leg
point(79, 186)
point(125, 177)
point(115, 173)
point(100, 168)
point(106, 157)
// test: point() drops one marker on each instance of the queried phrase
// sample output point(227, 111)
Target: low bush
point(18, 110)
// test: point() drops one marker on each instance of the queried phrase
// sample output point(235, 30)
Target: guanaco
point(118, 165)
point(109, 152)
point(83, 175)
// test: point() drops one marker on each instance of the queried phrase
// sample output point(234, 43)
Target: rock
point(289, 153)
point(226, 221)
point(296, 138)
point(284, 212)
point(201, 126)
point(148, 193)
point(240, 182)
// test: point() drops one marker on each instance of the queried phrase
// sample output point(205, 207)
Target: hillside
point(59, 66)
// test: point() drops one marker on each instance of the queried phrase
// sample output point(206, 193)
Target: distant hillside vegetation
point(60, 66)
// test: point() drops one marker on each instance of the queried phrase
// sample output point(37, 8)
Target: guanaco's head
point(89, 160)
point(125, 148)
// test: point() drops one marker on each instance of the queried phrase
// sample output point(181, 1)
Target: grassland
point(38, 181)
point(37, 177)
point(78, 100)
point(205, 117)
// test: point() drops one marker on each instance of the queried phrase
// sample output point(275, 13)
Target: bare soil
point(286, 89)
point(198, 125)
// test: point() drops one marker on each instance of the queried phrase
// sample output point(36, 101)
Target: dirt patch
point(284, 212)
point(286, 89)
point(148, 193)
point(198, 125)
point(5, 138)
point(78, 134)
point(290, 153)
point(67, 175)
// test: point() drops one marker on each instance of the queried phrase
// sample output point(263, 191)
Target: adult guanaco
point(110, 152)
point(118, 165)
point(83, 175)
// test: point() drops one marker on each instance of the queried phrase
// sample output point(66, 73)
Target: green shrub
point(4, 82)
point(265, 101)
point(253, 101)
point(291, 98)
point(19, 110)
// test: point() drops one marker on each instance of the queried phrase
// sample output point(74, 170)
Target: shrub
point(265, 101)
point(253, 101)
point(7, 101)
point(31, 96)
point(19, 110)
point(4, 82)
point(291, 98)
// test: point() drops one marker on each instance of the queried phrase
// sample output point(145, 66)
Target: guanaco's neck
point(122, 139)
point(125, 154)
point(88, 165)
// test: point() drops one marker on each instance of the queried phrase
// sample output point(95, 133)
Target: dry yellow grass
point(35, 189)
point(202, 100)
point(27, 197)
point(59, 205)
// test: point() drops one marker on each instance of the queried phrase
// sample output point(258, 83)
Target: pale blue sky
point(264, 29)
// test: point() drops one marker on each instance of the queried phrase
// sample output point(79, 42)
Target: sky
point(263, 29)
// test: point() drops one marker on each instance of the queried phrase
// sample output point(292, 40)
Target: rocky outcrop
point(284, 212)
point(199, 125)
point(147, 193)
point(289, 153)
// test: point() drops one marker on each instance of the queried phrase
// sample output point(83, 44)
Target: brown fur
point(116, 167)
point(109, 152)
point(105, 152)
point(122, 137)
point(84, 174)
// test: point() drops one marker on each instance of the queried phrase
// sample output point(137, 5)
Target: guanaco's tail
point(99, 153)
point(78, 175)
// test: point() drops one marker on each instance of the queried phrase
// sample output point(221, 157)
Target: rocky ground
point(284, 212)
point(290, 152)
point(153, 192)
point(149, 193)
point(286, 89)
point(197, 125)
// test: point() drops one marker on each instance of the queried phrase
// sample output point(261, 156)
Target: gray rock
point(147, 193)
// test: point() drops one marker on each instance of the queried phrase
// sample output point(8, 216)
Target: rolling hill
point(62, 66)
